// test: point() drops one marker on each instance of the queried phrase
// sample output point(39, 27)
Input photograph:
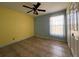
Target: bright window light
point(57, 25)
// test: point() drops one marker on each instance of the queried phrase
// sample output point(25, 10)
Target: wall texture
point(14, 26)
point(42, 25)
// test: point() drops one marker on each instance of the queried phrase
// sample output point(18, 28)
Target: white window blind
point(57, 25)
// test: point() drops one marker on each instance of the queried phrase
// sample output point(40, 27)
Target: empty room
point(39, 29)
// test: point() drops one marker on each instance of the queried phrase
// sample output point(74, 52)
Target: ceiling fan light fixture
point(34, 8)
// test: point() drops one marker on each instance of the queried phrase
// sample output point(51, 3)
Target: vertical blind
point(57, 25)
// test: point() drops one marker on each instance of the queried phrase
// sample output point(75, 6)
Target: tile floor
point(36, 47)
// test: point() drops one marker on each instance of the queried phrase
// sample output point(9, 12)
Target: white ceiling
point(50, 7)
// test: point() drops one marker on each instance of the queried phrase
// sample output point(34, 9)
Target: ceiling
point(50, 7)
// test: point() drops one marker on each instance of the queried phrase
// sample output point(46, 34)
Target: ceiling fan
point(34, 8)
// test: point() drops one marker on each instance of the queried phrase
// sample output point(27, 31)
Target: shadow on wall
point(42, 25)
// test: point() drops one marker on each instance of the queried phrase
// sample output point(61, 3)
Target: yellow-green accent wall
point(14, 25)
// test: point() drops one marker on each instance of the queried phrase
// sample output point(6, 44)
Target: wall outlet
point(13, 39)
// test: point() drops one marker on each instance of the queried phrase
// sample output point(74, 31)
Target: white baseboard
point(14, 41)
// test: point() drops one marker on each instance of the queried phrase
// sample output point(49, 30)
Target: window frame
point(63, 25)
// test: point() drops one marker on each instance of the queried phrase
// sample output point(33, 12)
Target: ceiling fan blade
point(27, 7)
point(29, 11)
point(41, 10)
point(37, 5)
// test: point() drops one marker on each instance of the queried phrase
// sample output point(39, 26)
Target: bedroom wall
point(42, 25)
point(14, 26)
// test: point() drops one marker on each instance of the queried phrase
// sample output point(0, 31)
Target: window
point(57, 25)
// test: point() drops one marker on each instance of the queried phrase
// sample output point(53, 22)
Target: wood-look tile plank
point(36, 47)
